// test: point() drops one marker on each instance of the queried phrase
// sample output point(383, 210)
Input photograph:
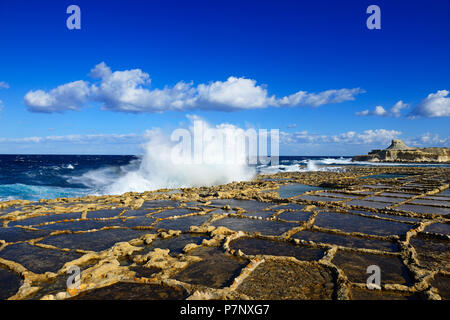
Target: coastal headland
point(398, 151)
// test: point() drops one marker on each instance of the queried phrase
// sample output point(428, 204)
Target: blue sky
point(98, 89)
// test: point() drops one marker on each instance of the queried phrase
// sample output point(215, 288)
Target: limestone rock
point(189, 247)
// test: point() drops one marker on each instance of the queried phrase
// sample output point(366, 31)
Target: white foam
point(311, 166)
point(278, 168)
point(157, 170)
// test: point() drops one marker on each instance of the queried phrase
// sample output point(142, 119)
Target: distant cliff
point(398, 151)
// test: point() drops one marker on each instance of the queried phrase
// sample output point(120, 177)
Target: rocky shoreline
point(314, 233)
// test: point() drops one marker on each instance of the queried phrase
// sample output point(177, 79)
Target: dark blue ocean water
point(34, 177)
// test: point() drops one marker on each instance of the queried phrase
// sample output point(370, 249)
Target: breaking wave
point(157, 169)
point(328, 164)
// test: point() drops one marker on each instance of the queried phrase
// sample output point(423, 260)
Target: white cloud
point(79, 138)
point(74, 144)
point(350, 142)
point(376, 138)
point(379, 111)
point(369, 136)
point(235, 93)
point(303, 98)
point(127, 91)
point(70, 96)
point(398, 107)
point(379, 136)
point(428, 140)
point(395, 111)
point(434, 105)
point(363, 113)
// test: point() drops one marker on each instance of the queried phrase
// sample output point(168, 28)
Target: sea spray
point(312, 166)
point(218, 159)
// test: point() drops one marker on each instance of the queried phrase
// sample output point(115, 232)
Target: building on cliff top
point(398, 151)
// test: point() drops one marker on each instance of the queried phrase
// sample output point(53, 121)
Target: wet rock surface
point(133, 291)
point(215, 270)
point(254, 225)
point(294, 235)
point(293, 281)
point(10, 283)
point(370, 294)
point(356, 223)
point(432, 253)
point(36, 259)
point(355, 267)
point(94, 240)
point(252, 246)
point(346, 241)
point(442, 283)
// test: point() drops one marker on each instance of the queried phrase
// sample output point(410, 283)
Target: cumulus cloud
point(433, 106)
point(129, 91)
point(70, 96)
point(395, 111)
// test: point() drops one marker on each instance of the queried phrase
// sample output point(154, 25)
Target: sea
point(35, 177)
